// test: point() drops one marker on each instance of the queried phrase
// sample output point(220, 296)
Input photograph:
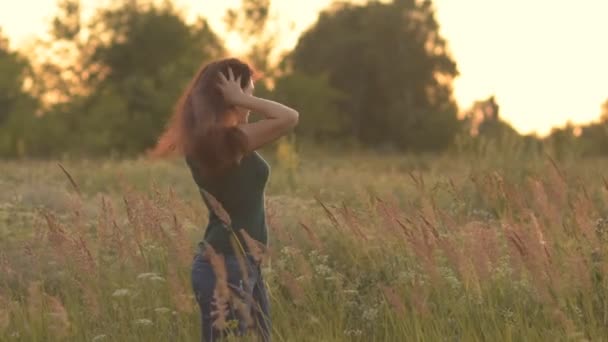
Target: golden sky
point(545, 60)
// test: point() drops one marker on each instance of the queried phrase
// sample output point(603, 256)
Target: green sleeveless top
point(240, 190)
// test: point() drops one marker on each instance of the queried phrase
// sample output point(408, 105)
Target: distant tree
point(485, 120)
point(393, 67)
point(485, 132)
point(250, 22)
point(594, 136)
point(321, 120)
point(132, 60)
point(17, 107)
point(562, 141)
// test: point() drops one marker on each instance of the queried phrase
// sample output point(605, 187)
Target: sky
point(546, 61)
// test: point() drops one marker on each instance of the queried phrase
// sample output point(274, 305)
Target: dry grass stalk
point(302, 266)
point(558, 185)
point(482, 246)
point(545, 207)
point(387, 213)
point(131, 208)
point(282, 235)
point(533, 255)
point(39, 303)
point(217, 208)
point(352, 222)
point(91, 298)
point(584, 212)
point(60, 322)
point(56, 234)
point(71, 179)
point(329, 214)
point(293, 287)
point(312, 237)
point(181, 243)
point(394, 300)
point(424, 244)
point(244, 310)
point(419, 297)
point(109, 233)
point(179, 292)
point(221, 293)
point(257, 249)
point(5, 314)
point(85, 258)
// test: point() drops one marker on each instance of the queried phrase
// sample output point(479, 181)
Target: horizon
point(535, 68)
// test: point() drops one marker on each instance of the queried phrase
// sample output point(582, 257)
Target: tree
point(594, 136)
point(485, 121)
point(132, 60)
point(313, 96)
point(393, 68)
point(17, 107)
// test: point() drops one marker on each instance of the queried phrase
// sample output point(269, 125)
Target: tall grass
point(363, 248)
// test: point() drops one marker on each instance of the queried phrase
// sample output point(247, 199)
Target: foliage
point(393, 67)
point(17, 107)
point(133, 60)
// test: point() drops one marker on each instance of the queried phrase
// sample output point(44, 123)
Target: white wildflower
point(143, 322)
point(121, 293)
point(162, 310)
point(323, 270)
point(99, 338)
point(353, 332)
point(146, 275)
point(370, 314)
point(157, 278)
point(288, 250)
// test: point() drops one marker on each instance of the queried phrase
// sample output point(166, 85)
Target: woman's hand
point(231, 88)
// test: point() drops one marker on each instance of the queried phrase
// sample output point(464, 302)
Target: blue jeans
point(251, 290)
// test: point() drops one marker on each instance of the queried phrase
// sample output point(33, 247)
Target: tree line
point(376, 75)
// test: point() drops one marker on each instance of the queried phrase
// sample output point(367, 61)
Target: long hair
point(197, 128)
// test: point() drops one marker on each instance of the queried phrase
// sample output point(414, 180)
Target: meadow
point(364, 247)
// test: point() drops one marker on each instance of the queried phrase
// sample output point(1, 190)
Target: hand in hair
point(278, 118)
point(231, 88)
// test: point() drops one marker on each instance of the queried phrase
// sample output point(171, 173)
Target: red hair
point(197, 128)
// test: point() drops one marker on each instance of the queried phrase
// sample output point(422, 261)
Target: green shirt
point(240, 190)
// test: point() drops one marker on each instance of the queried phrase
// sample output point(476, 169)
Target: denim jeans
point(251, 290)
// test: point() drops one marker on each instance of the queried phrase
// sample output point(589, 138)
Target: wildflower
point(353, 332)
point(157, 278)
point(288, 250)
point(146, 275)
point(162, 310)
point(323, 270)
point(143, 322)
point(121, 293)
point(508, 315)
point(450, 278)
point(370, 314)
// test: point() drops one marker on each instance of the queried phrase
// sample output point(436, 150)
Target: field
point(363, 248)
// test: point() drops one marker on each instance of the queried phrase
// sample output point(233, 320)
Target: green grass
point(364, 247)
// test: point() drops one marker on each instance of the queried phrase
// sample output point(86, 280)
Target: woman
point(210, 126)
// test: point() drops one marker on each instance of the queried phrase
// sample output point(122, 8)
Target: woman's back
point(240, 191)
